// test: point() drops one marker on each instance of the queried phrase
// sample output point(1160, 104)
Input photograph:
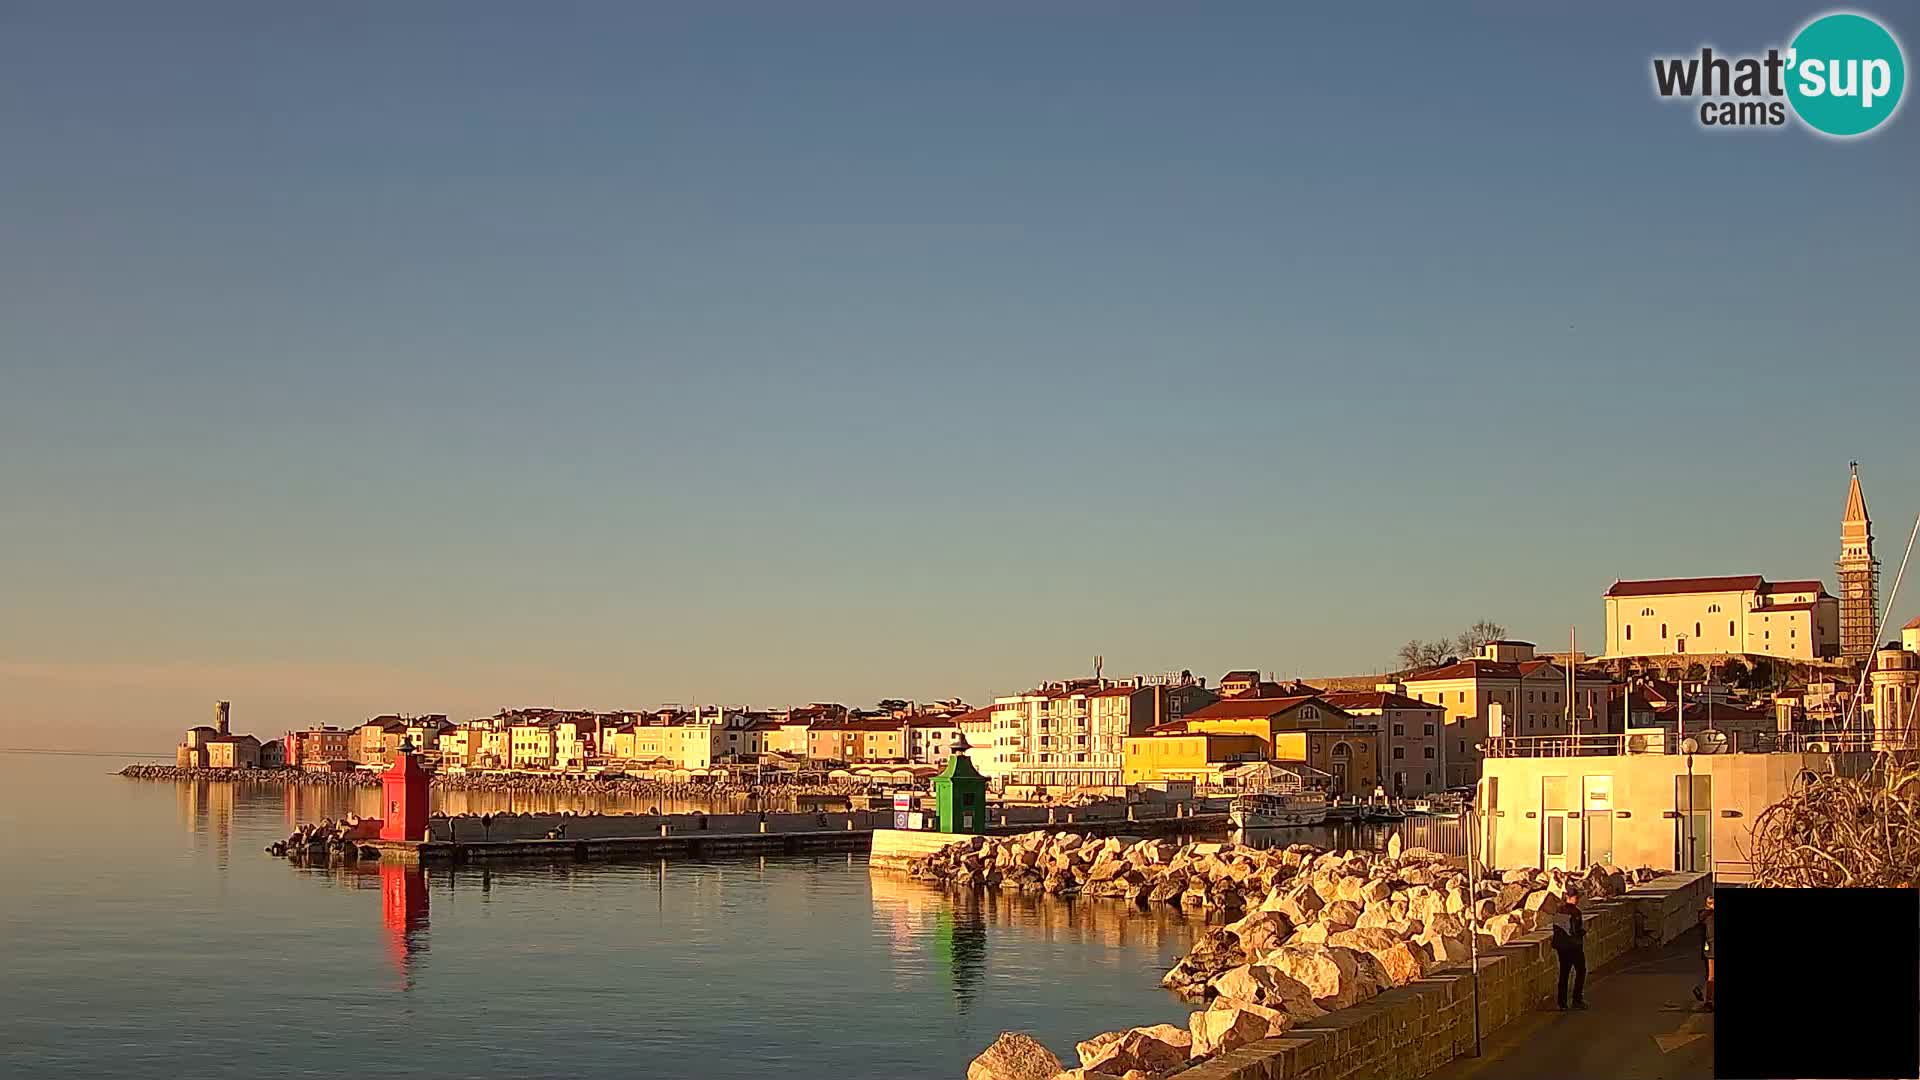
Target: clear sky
point(442, 357)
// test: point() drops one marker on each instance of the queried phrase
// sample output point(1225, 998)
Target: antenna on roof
point(1099, 663)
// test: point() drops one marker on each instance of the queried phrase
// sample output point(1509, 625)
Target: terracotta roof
point(939, 721)
point(1815, 587)
point(1497, 669)
point(1117, 691)
point(1914, 624)
point(1251, 708)
point(1662, 586)
point(1377, 699)
point(1171, 727)
point(232, 739)
point(1241, 676)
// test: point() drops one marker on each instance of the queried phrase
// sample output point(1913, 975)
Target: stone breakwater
point(625, 786)
point(1316, 931)
point(328, 841)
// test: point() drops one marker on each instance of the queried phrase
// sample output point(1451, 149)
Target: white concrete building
point(1744, 615)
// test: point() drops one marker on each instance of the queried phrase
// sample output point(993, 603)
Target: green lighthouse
point(960, 794)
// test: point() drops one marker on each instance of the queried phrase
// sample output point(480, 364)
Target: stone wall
point(1410, 1031)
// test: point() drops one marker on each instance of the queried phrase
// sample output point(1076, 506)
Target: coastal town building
point(1859, 576)
point(866, 741)
point(1506, 691)
point(1410, 736)
point(1896, 692)
point(1743, 615)
point(1304, 729)
point(317, 748)
point(530, 745)
point(930, 737)
point(215, 746)
point(233, 752)
point(1540, 806)
point(1071, 734)
point(979, 729)
point(1172, 752)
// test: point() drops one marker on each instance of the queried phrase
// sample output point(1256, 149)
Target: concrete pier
point(671, 842)
point(672, 845)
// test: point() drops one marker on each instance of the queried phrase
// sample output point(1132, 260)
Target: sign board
point(916, 821)
point(900, 819)
point(902, 801)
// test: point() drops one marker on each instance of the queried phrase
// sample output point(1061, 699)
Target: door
point(1693, 846)
point(1596, 820)
point(1554, 811)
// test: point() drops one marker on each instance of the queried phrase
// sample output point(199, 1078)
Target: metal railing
point(1663, 741)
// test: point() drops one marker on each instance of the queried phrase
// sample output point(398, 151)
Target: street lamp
point(1690, 747)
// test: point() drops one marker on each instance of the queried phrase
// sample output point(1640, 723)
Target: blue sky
point(455, 356)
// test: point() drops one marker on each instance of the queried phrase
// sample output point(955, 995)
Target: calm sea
point(143, 933)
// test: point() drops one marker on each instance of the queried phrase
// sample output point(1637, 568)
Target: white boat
point(1278, 810)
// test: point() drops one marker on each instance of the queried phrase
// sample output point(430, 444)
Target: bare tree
point(1425, 654)
point(1475, 637)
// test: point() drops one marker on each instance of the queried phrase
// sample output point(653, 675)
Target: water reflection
point(960, 943)
point(403, 914)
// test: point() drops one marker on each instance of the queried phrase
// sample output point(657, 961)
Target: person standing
point(1570, 943)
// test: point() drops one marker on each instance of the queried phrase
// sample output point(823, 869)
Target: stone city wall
point(467, 828)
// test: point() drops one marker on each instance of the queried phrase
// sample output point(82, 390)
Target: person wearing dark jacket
point(1570, 942)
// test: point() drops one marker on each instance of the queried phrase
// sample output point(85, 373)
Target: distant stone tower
point(221, 711)
point(1859, 577)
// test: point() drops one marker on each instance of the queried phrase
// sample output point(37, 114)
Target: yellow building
point(233, 752)
point(675, 746)
point(1744, 615)
point(1174, 752)
point(1507, 687)
point(1302, 728)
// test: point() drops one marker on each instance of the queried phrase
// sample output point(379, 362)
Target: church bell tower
point(1859, 577)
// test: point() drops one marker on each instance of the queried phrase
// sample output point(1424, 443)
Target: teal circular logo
point(1845, 74)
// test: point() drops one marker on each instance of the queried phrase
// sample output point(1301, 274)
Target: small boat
point(1278, 810)
point(1385, 813)
point(1345, 810)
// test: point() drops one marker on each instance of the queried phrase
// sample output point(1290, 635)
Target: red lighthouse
point(404, 791)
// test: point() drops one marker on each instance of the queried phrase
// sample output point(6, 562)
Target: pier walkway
point(1640, 1026)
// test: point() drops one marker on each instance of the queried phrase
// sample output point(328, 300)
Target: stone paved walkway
point(1641, 1026)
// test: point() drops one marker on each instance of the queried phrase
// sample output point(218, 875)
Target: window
point(1399, 752)
point(1429, 775)
point(1729, 627)
point(1713, 609)
point(1463, 697)
point(1696, 629)
point(1646, 611)
point(1529, 697)
point(1629, 631)
point(1429, 730)
point(1308, 712)
point(1663, 631)
point(1399, 729)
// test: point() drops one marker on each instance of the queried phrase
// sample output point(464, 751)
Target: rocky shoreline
point(617, 787)
point(1316, 931)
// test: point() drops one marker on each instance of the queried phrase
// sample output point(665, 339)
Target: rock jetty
point(328, 841)
point(1315, 930)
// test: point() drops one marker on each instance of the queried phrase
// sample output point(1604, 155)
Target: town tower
point(1859, 575)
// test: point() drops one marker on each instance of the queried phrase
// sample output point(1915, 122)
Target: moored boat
point(1278, 810)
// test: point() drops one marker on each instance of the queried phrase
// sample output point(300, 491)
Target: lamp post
point(1689, 747)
